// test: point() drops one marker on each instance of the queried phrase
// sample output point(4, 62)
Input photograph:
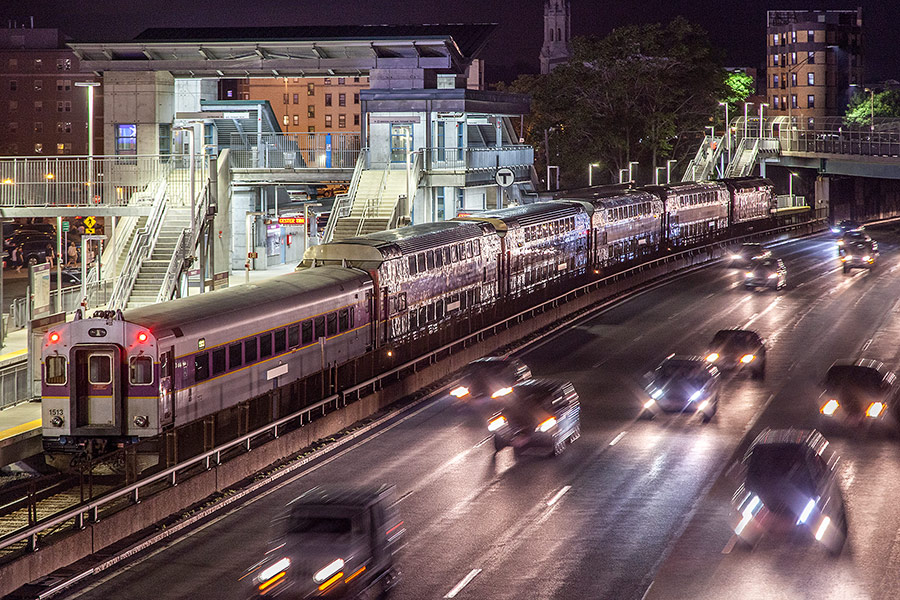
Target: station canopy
point(304, 51)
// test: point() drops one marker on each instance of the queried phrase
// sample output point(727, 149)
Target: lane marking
point(465, 581)
point(867, 344)
point(617, 438)
point(484, 441)
point(559, 495)
point(730, 545)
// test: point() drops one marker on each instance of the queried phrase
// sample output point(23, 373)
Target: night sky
point(736, 26)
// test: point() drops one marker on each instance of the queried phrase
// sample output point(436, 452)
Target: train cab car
point(541, 243)
point(627, 226)
point(423, 274)
point(751, 200)
point(116, 378)
point(332, 543)
point(696, 212)
point(537, 414)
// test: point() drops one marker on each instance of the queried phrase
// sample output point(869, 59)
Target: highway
point(633, 508)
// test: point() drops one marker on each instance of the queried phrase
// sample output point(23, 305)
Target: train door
point(97, 387)
point(166, 387)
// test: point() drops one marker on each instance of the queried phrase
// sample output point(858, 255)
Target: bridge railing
point(823, 135)
point(294, 150)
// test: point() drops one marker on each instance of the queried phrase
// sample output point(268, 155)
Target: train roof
point(312, 285)
point(594, 191)
point(612, 199)
point(369, 251)
point(743, 183)
point(682, 187)
point(504, 219)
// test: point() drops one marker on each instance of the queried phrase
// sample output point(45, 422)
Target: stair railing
point(343, 202)
point(184, 248)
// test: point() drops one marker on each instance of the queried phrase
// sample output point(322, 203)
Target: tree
point(643, 93)
point(738, 87)
point(863, 104)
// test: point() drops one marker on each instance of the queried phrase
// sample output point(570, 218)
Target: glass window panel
point(140, 370)
point(55, 367)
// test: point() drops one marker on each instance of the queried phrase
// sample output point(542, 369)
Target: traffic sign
point(252, 255)
point(65, 226)
point(89, 222)
point(89, 230)
point(504, 177)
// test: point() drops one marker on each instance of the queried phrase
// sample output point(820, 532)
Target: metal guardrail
point(342, 204)
point(14, 386)
point(439, 160)
point(132, 492)
point(294, 150)
point(78, 180)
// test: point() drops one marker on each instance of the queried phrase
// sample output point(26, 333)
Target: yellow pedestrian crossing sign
point(90, 221)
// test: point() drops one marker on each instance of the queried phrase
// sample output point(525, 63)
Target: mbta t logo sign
point(504, 177)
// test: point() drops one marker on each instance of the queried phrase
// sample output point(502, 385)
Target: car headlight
point(867, 258)
point(502, 392)
point(546, 425)
point(840, 242)
point(829, 407)
point(748, 274)
point(328, 570)
point(806, 511)
point(747, 358)
point(773, 275)
point(273, 574)
point(875, 410)
point(496, 423)
point(736, 257)
point(835, 230)
point(846, 257)
point(460, 391)
point(656, 394)
point(712, 357)
point(823, 526)
point(649, 403)
point(748, 512)
point(696, 395)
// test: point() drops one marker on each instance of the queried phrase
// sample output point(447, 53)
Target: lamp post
point(591, 173)
point(631, 165)
point(623, 173)
point(761, 107)
point(669, 169)
point(746, 104)
point(791, 186)
point(656, 171)
point(90, 85)
point(727, 131)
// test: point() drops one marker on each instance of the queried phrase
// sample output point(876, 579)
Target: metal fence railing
point(14, 386)
point(295, 150)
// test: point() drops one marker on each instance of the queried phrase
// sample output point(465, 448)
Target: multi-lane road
point(633, 508)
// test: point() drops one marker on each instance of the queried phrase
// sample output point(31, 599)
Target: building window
point(38, 64)
point(59, 106)
point(13, 63)
point(311, 111)
point(64, 148)
point(310, 89)
point(775, 39)
point(356, 98)
point(775, 102)
point(811, 123)
point(794, 101)
point(328, 81)
point(810, 36)
point(342, 99)
point(342, 121)
point(67, 106)
point(296, 98)
point(126, 139)
point(793, 58)
point(13, 105)
point(38, 148)
point(327, 99)
point(401, 140)
point(327, 121)
point(285, 120)
point(356, 119)
point(810, 78)
point(355, 79)
point(775, 81)
point(63, 127)
point(296, 119)
point(811, 101)
point(793, 37)
point(13, 85)
point(793, 80)
point(775, 59)
point(165, 138)
point(296, 80)
point(38, 127)
point(13, 127)
point(311, 129)
point(245, 95)
point(784, 102)
point(341, 80)
point(64, 64)
point(38, 85)
point(285, 98)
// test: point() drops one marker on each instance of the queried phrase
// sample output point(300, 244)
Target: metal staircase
point(703, 165)
point(375, 204)
point(744, 158)
point(153, 269)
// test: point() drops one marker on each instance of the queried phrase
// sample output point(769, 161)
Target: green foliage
point(640, 94)
point(863, 104)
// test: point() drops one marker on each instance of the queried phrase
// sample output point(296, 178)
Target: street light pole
point(591, 173)
point(90, 85)
point(791, 186)
point(872, 107)
point(727, 131)
point(669, 169)
point(761, 106)
point(746, 104)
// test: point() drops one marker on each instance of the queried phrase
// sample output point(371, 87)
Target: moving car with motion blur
point(790, 486)
point(738, 349)
point(490, 377)
point(859, 255)
point(846, 225)
point(539, 414)
point(851, 237)
point(332, 543)
point(858, 391)
point(746, 253)
point(683, 384)
point(766, 272)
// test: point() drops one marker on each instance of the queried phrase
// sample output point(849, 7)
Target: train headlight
point(141, 421)
point(57, 421)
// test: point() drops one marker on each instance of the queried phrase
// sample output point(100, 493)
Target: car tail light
point(547, 425)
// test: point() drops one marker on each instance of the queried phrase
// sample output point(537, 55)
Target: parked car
point(789, 485)
point(738, 349)
point(70, 277)
point(539, 414)
point(682, 384)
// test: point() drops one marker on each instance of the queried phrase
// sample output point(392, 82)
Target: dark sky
point(737, 26)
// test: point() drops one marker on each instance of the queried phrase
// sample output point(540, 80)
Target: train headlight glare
point(747, 358)
point(496, 423)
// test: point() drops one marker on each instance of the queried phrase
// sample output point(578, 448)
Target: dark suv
point(490, 378)
point(742, 256)
point(537, 413)
point(738, 349)
point(859, 255)
point(332, 543)
point(860, 390)
point(766, 272)
point(790, 484)
point(683, 384)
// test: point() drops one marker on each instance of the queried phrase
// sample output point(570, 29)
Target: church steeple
point(557, 34)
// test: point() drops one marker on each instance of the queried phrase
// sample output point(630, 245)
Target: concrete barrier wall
point(154, 509)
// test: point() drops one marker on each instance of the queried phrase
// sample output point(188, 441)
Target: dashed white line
point(617, 438)
point(558, 495)
point(867, 344)
point(465, 581)
point(730, 545)
point(484, 441)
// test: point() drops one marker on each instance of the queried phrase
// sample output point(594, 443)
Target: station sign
point(291, 221)
point(504, 177)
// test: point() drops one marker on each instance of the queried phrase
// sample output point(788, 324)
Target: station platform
point(21, 423)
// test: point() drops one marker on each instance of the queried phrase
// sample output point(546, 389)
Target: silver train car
point(627, 226)
point(116, 377)
point(752, 199)
point(694, 211)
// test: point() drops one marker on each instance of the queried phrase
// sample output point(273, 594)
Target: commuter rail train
point(117, 378)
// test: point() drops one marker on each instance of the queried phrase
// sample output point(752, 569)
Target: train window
point(439, 310)
point(332, 322)
point(234, 356)
point(320, 326)
point(454, 254)
point(413, 320)
point(280, 341)
point(462, 301)
point(353, 316)
point(201, 366)
point(476, 299)
point(477, 247)
point(423, 317)
point(250, 348)
point(528, 234)
point(469, 253)
point(265, 345)
point(431, 312)
point(430, 259)
point(164, 365)
point(439, 258)
point(420, 261)
point(412, 265)
point(140, 370)
point(307, 332)
point(343, 320)
point(294, 335)
point(218, 361)
point(55, 370)
point(100, 371)
point(446, 252)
